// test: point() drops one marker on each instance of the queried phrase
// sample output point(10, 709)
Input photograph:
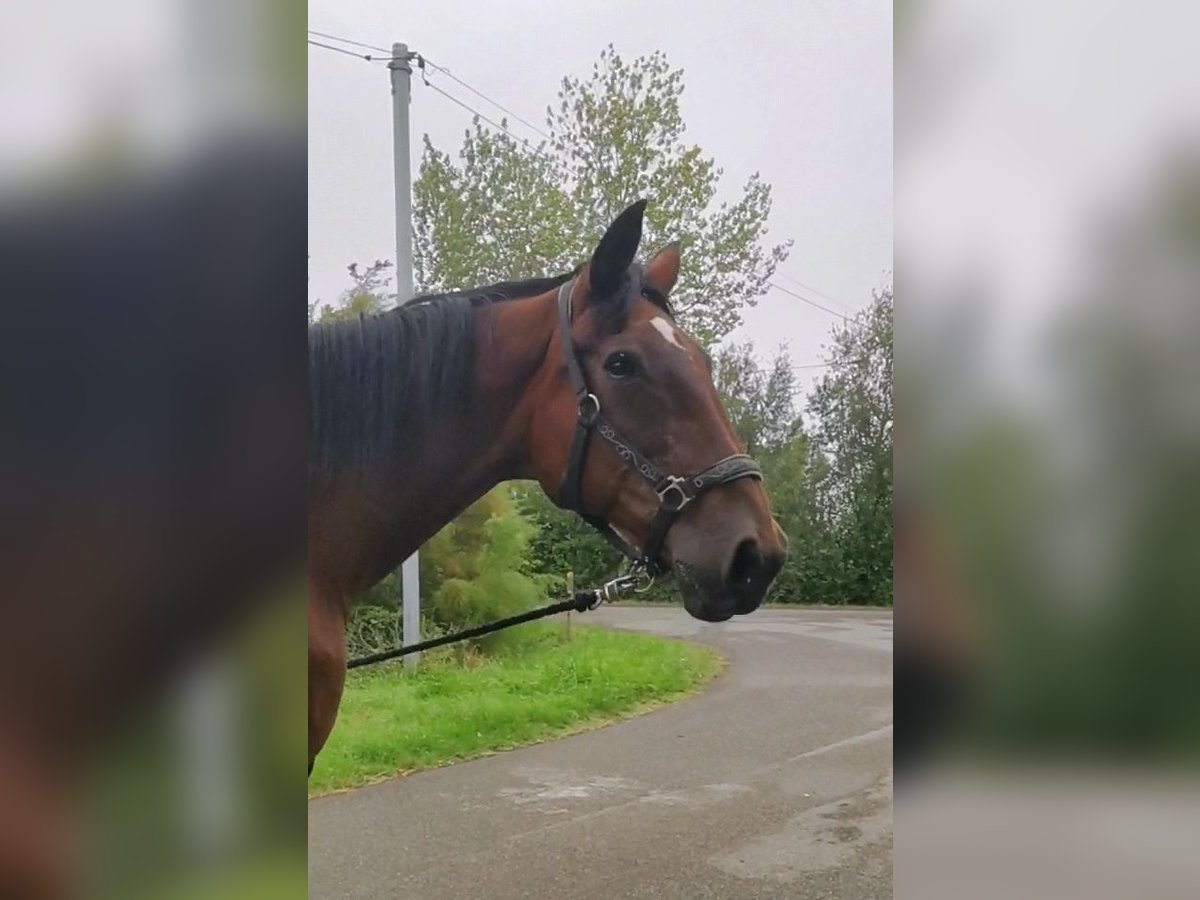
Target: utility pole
point(401, 70)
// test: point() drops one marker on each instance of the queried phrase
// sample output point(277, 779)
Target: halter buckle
point(614, 589)
point(589, 408)
point(672, 496)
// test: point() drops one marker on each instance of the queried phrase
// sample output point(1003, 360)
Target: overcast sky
point(801, 92)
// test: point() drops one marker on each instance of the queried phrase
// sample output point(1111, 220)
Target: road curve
point(773, 783)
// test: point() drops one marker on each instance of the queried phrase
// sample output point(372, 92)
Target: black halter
point(674, 492)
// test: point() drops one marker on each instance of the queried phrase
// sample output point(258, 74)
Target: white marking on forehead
point(668, 332)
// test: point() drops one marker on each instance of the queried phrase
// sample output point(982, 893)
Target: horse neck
point(381, 519)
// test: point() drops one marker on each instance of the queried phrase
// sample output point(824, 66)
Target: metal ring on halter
point(589, 408)
point(642, 579)
point(672, 496)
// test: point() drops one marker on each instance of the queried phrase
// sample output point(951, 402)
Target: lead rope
point(635, 579)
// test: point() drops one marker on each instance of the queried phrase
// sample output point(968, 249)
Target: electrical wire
point(813, 290)
point(342, 40)
point(813, 303)
point(556, 164)
point(340, 50)
point(485, 97)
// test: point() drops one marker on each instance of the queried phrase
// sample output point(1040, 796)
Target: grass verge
point(393, 721)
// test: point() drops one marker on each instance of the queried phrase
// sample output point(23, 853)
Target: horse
point(583, 382)
point(152, 463)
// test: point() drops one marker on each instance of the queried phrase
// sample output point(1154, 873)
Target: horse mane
point(376, 383)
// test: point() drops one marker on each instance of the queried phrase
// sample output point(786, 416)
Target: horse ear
point(662, 270)
point(615, 252)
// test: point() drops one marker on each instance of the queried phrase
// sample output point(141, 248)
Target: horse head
point(630, 432)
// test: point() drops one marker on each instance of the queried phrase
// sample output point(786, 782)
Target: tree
point(364, 297)
point(760, 402)
point(563, 542)
point(795, 473)
point(851, 410)
point(498, 215)
point(505, 210)
point(473, 570)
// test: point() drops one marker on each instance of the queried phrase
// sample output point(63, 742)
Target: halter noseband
point(674, 492)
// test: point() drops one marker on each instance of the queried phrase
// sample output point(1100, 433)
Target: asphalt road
point(773, 783)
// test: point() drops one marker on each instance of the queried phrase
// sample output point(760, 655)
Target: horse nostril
point(747, 566)
point(750, 574)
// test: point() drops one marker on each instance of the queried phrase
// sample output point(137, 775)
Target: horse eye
point(621, 364)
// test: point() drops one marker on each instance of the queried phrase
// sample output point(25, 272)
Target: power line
point(485, 97)
point(342, 40)
point(365, 56)
point(469, 109)
point(425, 61)
point(813, 303)
point(504, 109)
point(555, 163)
point(812, 290)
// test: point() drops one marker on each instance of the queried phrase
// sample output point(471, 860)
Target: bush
point(562, 542)
point(472, 571)
point(371, 629)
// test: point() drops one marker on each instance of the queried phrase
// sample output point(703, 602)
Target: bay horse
point(152, 473)
point(417, 412)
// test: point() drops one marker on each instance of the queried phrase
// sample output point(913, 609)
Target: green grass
point(392, 721)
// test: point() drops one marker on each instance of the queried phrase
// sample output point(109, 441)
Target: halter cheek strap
point(674, 492)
